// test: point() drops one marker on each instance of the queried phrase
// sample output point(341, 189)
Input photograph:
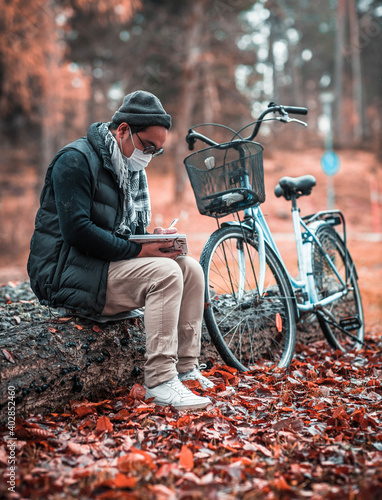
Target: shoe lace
point(177, 384)
point(196, 372)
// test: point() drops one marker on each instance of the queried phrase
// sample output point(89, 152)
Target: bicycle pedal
point(350, 322)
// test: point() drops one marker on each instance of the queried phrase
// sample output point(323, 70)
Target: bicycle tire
point(244, 327)
point(334, 316)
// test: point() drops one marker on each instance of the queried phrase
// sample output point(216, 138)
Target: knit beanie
point(142, 108)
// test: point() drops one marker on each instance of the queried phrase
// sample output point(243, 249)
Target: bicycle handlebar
point(193, 136)
point(296, 110)
point(283, 111)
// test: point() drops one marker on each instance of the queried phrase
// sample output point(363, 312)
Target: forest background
point(67, 63)
point(311, 432)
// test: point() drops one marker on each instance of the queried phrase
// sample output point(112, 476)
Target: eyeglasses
point(150, 150)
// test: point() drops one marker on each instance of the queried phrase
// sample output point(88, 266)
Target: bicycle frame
point(305, 283)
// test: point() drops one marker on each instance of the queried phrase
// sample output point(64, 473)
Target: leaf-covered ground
point(312, 432)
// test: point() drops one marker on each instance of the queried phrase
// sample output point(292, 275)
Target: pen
point(173, 223)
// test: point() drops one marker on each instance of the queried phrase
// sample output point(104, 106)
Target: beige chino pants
point(172, 292)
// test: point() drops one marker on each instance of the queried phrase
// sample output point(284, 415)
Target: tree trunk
point(338, 72)
point(358, 119)
point(273, 34)
point(50, 363)
point(190, 80)
point(211, 103)
point(51, 102)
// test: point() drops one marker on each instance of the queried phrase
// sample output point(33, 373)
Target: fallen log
point(50, 361)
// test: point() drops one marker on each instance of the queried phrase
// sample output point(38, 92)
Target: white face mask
point(137, 161)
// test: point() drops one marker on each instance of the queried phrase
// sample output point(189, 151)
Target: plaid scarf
point(137, 208)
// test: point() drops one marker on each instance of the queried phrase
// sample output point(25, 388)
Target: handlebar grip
point(296, 110)
point(193, 136)
point(190, 140)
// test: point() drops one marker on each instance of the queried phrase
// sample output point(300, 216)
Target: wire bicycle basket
point(227, 178)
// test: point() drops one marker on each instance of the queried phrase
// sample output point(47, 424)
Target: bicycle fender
point(234, 223)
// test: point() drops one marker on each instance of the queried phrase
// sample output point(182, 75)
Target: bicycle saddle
point(295, 186)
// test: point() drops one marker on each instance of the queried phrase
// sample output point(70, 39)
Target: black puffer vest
point(60, 275)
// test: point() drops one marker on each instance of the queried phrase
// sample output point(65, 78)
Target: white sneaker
point(176, 394)
point(195, 374)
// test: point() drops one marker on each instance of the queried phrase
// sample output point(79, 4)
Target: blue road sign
point(330, 163)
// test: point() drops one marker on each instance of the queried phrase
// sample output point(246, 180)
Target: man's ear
point(122, 130)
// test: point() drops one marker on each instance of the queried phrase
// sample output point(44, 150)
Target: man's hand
point(158, 249)
point(161, 230)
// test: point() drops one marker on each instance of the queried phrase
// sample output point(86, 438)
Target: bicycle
point(252, 303)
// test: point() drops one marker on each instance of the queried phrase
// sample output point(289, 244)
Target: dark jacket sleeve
point(72, 190)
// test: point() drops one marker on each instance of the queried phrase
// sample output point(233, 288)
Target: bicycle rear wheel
point(342, 321)
point(244, 325)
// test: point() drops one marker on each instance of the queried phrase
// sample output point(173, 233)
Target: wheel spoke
point(328, 283)
point(242, 324)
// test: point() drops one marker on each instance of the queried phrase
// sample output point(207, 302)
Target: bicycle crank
point(347, 323)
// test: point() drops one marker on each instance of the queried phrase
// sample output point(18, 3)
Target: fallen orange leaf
point(104, 425)
point(84, 410)
point(129, 462)
point(281, 484)
point(138, 392)
point(186, 458)
point(123, 481)
point(339, 412)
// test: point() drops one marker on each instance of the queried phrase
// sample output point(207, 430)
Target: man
point(94, 197)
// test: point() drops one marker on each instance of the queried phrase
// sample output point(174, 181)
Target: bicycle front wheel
point(245, 325)
point(341, 321)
